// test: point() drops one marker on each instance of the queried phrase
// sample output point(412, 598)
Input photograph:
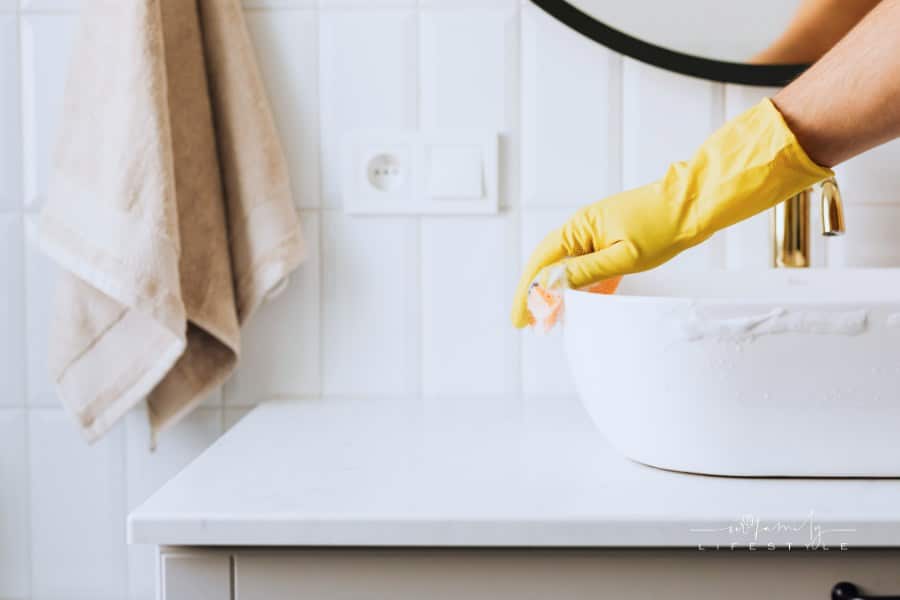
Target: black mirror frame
point(686, 64)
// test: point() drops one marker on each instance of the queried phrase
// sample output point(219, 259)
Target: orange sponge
point(545, 303)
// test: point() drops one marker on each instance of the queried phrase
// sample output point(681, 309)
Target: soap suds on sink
point(777, 320)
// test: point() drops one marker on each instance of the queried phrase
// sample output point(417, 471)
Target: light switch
point(455, 172)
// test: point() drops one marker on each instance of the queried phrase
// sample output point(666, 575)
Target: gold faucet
point(790, 224)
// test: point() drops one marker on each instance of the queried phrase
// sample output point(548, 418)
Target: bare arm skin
point(814, 29)
point(849, 101)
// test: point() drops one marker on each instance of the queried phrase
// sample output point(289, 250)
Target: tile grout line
point(321, 209)
point(419, 346)
point(319, 215)
point(617, 122)
point(620, 100)
point(123, 500)
point(517, 208)
point(520, 217)
point(26, 384)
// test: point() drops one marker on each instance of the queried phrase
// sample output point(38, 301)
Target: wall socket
point(420, 172)
point(386, 172)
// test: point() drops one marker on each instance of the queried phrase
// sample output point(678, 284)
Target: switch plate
point(400, 172)
point(454, 172)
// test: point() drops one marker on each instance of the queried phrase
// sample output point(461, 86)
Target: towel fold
point(169, 208)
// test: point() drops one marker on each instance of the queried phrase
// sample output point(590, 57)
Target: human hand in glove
point(752, 163)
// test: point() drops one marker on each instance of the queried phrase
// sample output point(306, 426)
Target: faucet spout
point(832, 209)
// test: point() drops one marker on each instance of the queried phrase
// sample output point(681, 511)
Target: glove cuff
point(749, 165)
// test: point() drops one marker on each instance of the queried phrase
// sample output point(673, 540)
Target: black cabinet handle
point(848, 591)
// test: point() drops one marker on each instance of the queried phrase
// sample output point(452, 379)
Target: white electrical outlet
point(386, 172)
point(420, 172)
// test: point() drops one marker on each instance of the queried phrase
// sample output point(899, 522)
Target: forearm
point(814, 29)
point(849, 101)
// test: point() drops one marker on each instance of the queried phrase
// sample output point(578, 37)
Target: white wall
point(376, 311)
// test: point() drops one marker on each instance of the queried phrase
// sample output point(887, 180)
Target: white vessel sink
point(778, 373)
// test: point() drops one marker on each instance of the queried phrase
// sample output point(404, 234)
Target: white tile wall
point(40, 281)
point(571, 94)
point(77, 510)
point(46, 43)
point(279, 3)
point(879, 246)
point(462, 52)
point(469, 77)
point(387, 308)
point(10, 155)
point(15, 550)
point(466, 336)
point(368, 79)
point(361, 4)
point(48, 5)
point(370, 306)
point(871, 178)
point(666, 116)
point(12, 311)
point(287, 44)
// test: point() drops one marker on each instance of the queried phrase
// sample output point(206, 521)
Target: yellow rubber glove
point(752, 163)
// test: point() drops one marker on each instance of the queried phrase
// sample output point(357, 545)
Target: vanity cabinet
point(520, 574)
point(308, 500)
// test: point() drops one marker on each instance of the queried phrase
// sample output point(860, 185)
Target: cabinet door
point(195, 576)
point(558, 574)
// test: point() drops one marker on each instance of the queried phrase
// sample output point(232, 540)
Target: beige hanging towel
point(169, 208)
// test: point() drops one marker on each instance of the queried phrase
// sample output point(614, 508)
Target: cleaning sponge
point(545, 297)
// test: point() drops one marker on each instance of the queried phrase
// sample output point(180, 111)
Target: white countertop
point(318, 473)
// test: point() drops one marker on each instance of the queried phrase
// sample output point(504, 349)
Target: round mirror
point(722, 41)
